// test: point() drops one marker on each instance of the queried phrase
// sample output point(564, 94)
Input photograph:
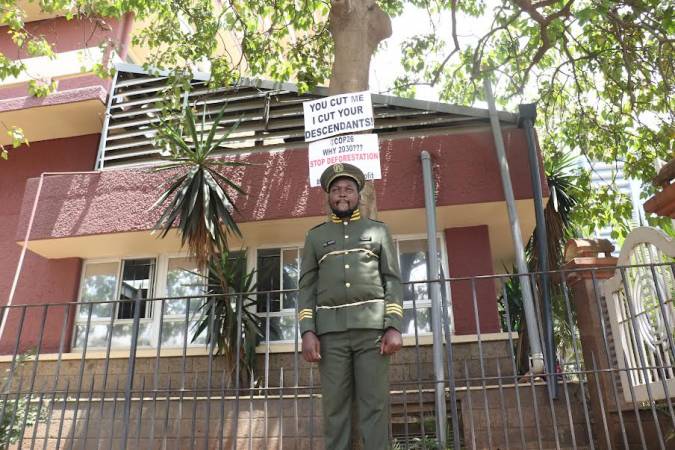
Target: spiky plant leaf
point(231, 290)
point(196, 199)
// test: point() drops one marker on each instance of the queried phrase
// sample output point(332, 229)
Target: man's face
point(343, 196)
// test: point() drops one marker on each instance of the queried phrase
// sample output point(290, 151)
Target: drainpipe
point(435, 295)
point(527, 115)
point(536, 356)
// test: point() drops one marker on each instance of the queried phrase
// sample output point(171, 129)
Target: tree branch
point(455, 40)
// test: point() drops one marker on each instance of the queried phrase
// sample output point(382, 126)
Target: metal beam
point(528, 114)
point(433, 274)
point(536, 356)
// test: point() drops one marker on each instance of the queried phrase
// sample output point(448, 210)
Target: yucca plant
point(559, 168)
point(196, 199)
point(197, 202)
point(229, 286)
point(560, 173)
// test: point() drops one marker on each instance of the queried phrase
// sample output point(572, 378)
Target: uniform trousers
point(352, 367)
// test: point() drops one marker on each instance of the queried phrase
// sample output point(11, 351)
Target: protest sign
point(338, 114)
point(361, 150)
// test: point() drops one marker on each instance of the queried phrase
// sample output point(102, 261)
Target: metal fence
point(612, 382)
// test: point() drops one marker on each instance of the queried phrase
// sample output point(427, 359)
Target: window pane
point(99, 284)
point(122, 335)
point(269, 279)
point(413, 261)
point(281, 328)
point(137, 277)
point(423, 321)
point(183, 280)
point(291, 275)
point(99, 334)
point(173, 333)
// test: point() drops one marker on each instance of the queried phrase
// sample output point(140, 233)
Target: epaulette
point(318, 225)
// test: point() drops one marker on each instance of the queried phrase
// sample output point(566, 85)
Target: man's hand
point(391, 342)
point(311, 347)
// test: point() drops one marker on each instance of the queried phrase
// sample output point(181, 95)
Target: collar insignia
point(356, 215)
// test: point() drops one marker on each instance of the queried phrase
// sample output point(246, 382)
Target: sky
point(386, 66)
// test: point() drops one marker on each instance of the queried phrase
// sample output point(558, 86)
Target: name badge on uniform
point(327, 243)
point(366, 238)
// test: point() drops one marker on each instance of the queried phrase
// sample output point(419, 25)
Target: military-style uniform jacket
point(349, 277)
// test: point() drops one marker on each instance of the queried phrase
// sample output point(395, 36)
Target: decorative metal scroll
point(642, 315)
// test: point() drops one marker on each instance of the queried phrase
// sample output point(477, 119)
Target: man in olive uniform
point(350, 312)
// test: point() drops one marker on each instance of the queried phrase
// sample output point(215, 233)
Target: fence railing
point(76, 375)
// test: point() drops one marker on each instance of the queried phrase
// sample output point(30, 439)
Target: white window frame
point(159, 290)
point(426, 303)
point(253, 262)
point(163, 293)
point(120, 268)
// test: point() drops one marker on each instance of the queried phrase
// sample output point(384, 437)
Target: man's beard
point(345, 214)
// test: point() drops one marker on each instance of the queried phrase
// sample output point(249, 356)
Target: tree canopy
point(600, 71)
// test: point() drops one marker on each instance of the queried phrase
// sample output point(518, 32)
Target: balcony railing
point(125, 394)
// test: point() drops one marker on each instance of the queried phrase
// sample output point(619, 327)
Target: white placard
point(339, 114)
point(360, 150)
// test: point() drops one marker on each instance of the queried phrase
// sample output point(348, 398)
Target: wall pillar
point(585, 284)
point(469, 255)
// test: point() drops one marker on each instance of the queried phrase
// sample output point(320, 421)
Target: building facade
point(92, 228)
point(77, 218)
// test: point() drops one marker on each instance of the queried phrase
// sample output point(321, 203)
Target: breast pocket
point(370, 244)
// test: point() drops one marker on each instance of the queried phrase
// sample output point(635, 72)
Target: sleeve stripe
point(394, 309)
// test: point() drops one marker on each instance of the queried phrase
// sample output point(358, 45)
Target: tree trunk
point(357, 27)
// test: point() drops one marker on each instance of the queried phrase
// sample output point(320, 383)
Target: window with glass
point(278, 272)
point(110, 294)
point(180, 311)
point(167, 295)
point(168, 292)
point(412, 257)
point(412, 254)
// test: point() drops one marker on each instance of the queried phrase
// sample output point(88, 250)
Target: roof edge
point(322, 91)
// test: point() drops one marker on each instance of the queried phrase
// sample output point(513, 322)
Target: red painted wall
point(20, 91)
point(67, 35)
point(64, 35)
point(41, 280)
point(466, 172)
point(469, 255)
